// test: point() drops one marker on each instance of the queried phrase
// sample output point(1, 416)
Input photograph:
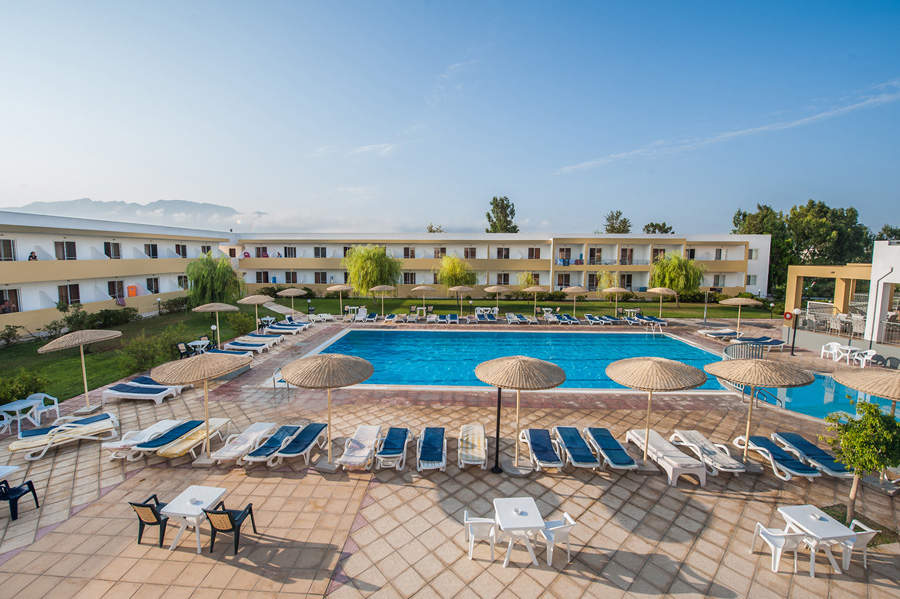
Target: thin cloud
point(324, 150)
point(374, 149)
point(661, 148)
point(448, 83)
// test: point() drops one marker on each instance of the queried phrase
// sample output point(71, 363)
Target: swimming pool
point(449, 358)
point(823, 397)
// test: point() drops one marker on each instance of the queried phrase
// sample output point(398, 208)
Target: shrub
point(241, 322)
point(139, 354)
point(10, 334)
point(310, 293)
point(53, 328)
point(270, 291)
point(76, 318)
point(21, 384)
point(176, 304)
point(110, 318)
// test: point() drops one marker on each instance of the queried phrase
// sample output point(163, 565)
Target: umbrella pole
point(739, 330)
point(535, 303)
point(340, 300)
point(616, 315)
point(206, 406)
point(382, 305)
point(329, 426)
point(292, 303)
point(497, 469)
point(647, 433)
point(749, 417)
point(87, 396)
point(218, 337)
point(893, 407)
point(518, 396)
point(574, 299)
point(660, 308)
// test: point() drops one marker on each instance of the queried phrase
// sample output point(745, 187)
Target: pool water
point(449, 358)
point(823, 397)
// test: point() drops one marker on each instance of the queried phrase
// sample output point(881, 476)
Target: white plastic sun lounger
point(431, 449)
point(68, 429)
point(241, 346)
point(314, 434)
point(124, 447)
point(715, 456)
point(668, 457)
point(146, 381)
point(263, 337)
point(238, 445)
point(542, 449)
point(472, 446)
point(575, 450)
point(359, 450)
point(392, 448)
point(267, 341)
point(129, 391)
point(279, 330)
point(194, 441)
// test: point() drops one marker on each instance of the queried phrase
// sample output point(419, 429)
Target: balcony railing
point(891, 333)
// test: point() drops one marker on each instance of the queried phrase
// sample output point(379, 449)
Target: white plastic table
point(631, 311)
point(22, 409)
point(517, 517)
point(824, 531)
point(267, 319)
point(847, 351)
point(199, 345)
point(188, 508)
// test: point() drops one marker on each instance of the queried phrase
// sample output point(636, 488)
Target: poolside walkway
point(391, 534)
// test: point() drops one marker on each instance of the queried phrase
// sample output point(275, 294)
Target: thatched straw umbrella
point(291, 293)
point(662, 291)
point(423, 289)
point(739, 302)
point(383, 289)
point(327, 371)
point(340, 289)
point(498, 289)
point(522, 374)
point(195, 369)
point(535, 289)
point(459, 290)
point(80, 339)
point(256, 301)
point(654, 374)
point(879, 382)
point(617, 291)
point(758, 373)
point(574, 290)
point(216, 307)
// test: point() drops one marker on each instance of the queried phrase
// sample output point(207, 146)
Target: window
point(321, 277)
point(205, 249)
point(502, 253)
point(232, 253)
point(13, 296)
point(346, 277)
point(469, 253)
point(112, 250)
point(290, 252)
point(720, 254)
point(346, 250)
point(657, 254)
point(625, 281)
point(320, 252)
point(262, 252)
point(69, 294)
point(182, 281)
point(151, 250)
point(181, 250)
point(595, 255)
point(503, 278)
point(565, 253)
point(115, 289)
point(409, 252)
point(65, 250)
point(690, 254)
point(562, 279)
point(626, 256)
point(7, 250)
point(409, 278)
point(262, 276)
point(440, 252)
point(751, 280)
point(718, 280)
point(536, 277)
point(753, 255)
point(534, 253)
point(290, 277)
point(153, 285)
point(592, 282)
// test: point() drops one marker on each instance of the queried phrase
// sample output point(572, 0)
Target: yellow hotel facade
point(97, 262)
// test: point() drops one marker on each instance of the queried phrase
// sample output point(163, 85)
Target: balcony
point(71, 270)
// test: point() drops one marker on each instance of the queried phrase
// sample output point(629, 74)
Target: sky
point(363, 116)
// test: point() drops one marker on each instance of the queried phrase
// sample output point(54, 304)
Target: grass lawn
point(63, 368)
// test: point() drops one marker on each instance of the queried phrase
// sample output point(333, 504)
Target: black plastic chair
point(14, 494)
point(183, 350)
point(892, 363)
point(222, 519)
point(148, 515)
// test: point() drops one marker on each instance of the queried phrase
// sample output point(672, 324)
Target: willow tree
point(454, 271)
point(606, 279)
point(678, 274)
point(212, 280)
point(369, 266)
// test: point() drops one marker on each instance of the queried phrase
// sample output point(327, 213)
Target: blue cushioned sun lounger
point(811, 452)
point(442, 319)
point(130, 391)
point(392, 451)
point(229, 352)
point(783, 465)
point(521, 318)
point(544, 451)
point(658, 321)
point(609, 449)
point(481, 317)
point(172, 435)
point(302, 444)
point(453, 318)
point(37, 432)
point(280, 438)
point(592, 320)
point(148, 382)
point(611, 319)
point(264, 336)
point(577, 451)
point(432, 449)
point(390, 318)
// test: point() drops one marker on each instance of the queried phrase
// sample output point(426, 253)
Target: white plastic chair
point(778, 541)
point(5, 423)
point(863, 536)
point(865, 357)
point(478, 529)
point(830, 350)
point(557, 531)
point(44, 407)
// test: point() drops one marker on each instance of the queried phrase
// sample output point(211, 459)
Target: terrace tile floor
point(398, 534)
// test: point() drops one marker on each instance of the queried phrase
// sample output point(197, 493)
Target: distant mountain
point(160, 212)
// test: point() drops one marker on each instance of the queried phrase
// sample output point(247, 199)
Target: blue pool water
point(450, 358)
point(823, 397)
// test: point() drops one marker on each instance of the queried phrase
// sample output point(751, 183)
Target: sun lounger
point(391, 450)
point(655, 320)
point(267, 338)
point(531, 319)
point(372, 317)
point(577, 453)
point(170, 436)
point(412, 318)
point(146, 381)
point(271, 444)
point(275, 329)
point(230, 352)
point(715, 456)
point(521, 318)
point(609, 450)
point(68, 429)
point(569, 319)
point(472, 449)
point(511, 318)
point(194, 440)
point(129, 391)
point(243, 346)
point(240, 444)
point(491, 318)
point(452, 319)
point(592, 320)
point(470, 319)
point(389, 318)
point(442, 319)
point(124, 447)
point(359, 450)
point(431, 319)
point(290, 322)
point(811, 453)
point(611, 319)
point(668, 457)
point(481, 318)
point(766, 342)
point(360, 316)
point(552, 318)
point(431, 449)
point(632, 320)
point(721, 334)
point(301, 446)
point(326, 317)
point(783, 465)
point(543, 451)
